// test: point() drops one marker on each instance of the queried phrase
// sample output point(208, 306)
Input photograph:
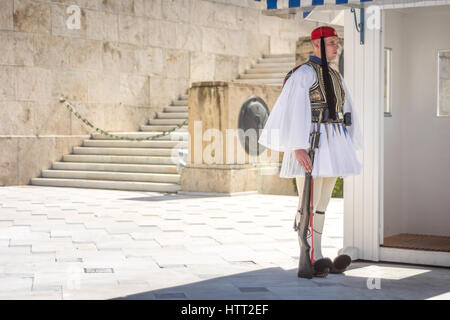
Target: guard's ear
point(316, 43)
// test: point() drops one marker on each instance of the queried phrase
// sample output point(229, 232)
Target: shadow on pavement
point(167, 197)
point(362, 281)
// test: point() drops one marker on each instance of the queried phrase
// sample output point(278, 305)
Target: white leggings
point(323, 189)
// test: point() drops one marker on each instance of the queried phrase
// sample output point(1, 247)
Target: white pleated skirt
point(335, 157)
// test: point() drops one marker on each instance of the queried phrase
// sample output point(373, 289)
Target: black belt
point(315, 120)
point(340, 118)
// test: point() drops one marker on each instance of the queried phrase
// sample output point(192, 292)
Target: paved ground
point(69, 243)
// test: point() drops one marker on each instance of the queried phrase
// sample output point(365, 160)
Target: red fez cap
point(323, 32)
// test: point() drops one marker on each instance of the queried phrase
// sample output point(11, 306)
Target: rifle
point(305, 267)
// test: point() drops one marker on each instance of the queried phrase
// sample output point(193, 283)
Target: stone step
point(108, 184)
point(183, 97)
point(275, 65)
point(164, 152)
point(135, 144)
point(261, 81)
point(166, 121)
point(183, 102)
point(261, 70)
point(284, 55)
point(117, 176)
point(162, 128)
point(277, 60)
point(175, 109)
point(119, 159)
point(171, 115)
point(262, 76)
point(113, 167)
point(174, 136)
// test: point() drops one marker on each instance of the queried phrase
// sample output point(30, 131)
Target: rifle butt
point(305, 269)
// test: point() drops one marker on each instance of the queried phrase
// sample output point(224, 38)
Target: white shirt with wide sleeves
point(289, 126)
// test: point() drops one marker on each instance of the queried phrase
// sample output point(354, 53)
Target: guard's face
point(331, 47)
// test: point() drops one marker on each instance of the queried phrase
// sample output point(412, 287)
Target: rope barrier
point(88, 123)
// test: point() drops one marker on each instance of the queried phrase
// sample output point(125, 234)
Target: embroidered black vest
point(317, 94)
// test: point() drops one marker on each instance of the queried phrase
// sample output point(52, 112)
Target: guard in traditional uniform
point(308, 88)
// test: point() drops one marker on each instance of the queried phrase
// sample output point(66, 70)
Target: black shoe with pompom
point(340, 263)
point(322, 267)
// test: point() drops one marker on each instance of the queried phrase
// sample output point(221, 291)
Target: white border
point(432, 258)
point(437, 85)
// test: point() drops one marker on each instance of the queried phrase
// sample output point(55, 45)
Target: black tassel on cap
point(329, 90)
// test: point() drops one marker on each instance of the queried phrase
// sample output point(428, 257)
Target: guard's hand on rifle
point(303, 158)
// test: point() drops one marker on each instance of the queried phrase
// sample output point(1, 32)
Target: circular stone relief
point(253, 115)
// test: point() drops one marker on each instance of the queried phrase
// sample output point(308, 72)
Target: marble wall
point(126, 60)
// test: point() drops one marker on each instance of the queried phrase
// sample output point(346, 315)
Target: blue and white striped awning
point(293, 6)
point(308, 4)
point(276, 7)
point(283, 7)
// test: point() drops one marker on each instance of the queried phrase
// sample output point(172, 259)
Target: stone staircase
point(152, 165)
point(271, 70)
